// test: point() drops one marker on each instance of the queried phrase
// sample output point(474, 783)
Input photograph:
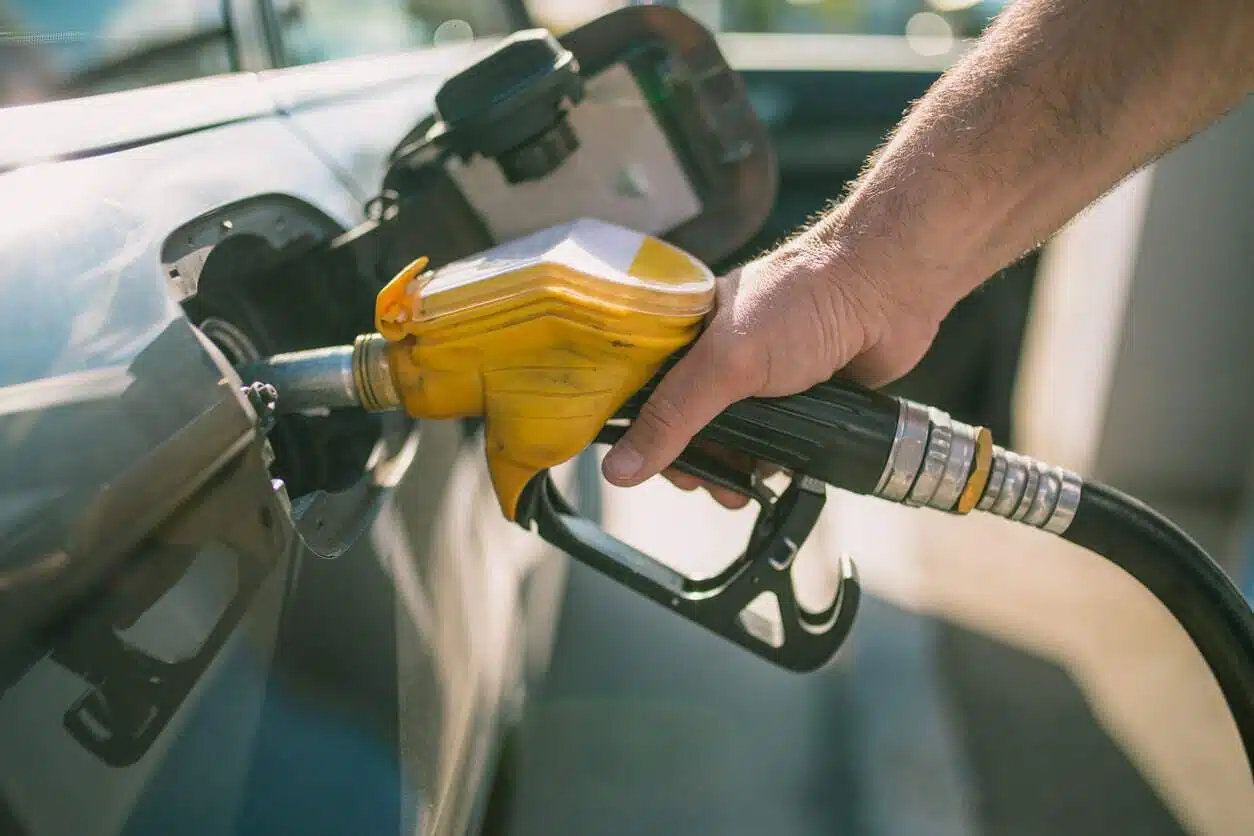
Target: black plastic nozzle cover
point(509, 106)
point(837, 432)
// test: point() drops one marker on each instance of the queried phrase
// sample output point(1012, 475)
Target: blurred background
point(997, 682)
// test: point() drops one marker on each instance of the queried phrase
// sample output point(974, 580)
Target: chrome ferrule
point(907, 454)
point(937, 462)
point(1032, 492)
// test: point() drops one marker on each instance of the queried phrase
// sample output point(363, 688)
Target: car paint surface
point(365, 693)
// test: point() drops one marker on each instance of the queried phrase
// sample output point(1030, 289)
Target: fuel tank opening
point(253, 301)
point(234, 344)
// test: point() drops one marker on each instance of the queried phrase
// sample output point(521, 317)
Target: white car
point(212, 626)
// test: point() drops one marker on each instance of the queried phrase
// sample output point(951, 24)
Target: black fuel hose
point(1188, 582)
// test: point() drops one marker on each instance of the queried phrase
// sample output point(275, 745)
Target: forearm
point(1057, 103)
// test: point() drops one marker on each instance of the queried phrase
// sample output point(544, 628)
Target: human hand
point(781, 324)
point(735, 459)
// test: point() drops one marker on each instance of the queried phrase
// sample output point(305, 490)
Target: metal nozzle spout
point(338, 377)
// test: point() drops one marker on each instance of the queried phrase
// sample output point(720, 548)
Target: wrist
point(903, 268)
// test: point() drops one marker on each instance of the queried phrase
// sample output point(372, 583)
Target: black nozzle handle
point(837, 432)
point(802, 639)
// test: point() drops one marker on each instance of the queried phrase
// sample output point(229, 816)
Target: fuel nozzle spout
point(356, 376)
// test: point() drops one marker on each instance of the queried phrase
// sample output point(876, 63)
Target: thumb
point(687, 398)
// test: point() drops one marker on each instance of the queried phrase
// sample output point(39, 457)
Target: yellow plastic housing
point(545, 337)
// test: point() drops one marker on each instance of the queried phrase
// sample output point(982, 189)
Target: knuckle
point(737, 363)
point(662, 415)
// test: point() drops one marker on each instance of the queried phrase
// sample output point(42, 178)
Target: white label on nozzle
point(587, 245)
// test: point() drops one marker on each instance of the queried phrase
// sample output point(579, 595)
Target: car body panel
point(110, 121)
point(365, 693)
point(91, 322)
point(390, 94)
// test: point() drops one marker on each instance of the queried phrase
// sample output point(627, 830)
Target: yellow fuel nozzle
point(548, 337)
point(545, 337)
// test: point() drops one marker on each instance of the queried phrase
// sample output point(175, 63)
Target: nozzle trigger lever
point(803, 640)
